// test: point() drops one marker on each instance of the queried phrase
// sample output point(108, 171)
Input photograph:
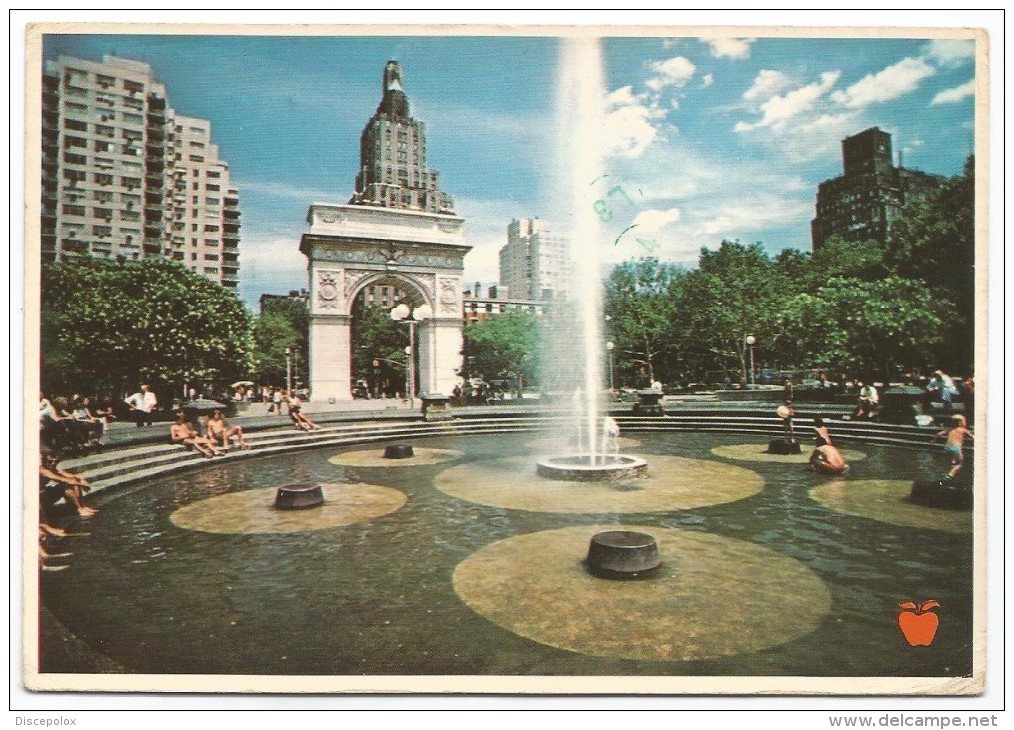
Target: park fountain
point(581, 94)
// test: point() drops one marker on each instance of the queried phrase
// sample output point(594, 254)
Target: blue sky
point(712, 139)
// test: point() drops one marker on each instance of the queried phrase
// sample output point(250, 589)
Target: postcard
point(506, 360)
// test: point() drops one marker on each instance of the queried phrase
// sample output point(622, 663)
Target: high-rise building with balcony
point(204, 231)
point(535, 264)
point(113, 157)
point(862, 203)
point(392, 150)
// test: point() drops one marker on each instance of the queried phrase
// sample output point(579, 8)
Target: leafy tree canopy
point(505, 346)
point(107, 326)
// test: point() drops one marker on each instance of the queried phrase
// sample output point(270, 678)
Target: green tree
point(640, 306)
point(837, 257)
point(376, 337)
point(736, 291)
point(867, 327)
point(108, 325)
point(505, 346)
point(284, 322)
point(273, 334)
point(935, 242)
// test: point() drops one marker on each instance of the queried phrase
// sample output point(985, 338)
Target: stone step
point(132, 464)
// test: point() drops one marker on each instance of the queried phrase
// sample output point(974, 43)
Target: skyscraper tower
point(392, 171)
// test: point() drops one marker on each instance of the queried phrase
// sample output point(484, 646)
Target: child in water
point(955, 443)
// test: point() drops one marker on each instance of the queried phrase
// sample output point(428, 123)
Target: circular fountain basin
point(399, 451)
point(622, 554)
point(299, 496)
point(590, 467)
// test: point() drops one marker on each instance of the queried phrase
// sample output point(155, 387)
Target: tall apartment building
point(862, 203)
point(113, 156)
point(535, 263)
point(204, 231)
point(392, 150)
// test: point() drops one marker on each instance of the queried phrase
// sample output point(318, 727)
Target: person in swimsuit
point(182, 433)
point(220, 431)
point(55, 483)
point(955, 444)
point(296, 414)
point(828, 459)
point(821, 435)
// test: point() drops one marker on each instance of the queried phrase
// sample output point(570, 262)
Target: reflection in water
point(377, 596)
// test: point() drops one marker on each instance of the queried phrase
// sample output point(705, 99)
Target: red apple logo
point(918, 624)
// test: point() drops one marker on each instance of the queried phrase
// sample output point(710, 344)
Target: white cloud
point(629, 125)
point(270, 263)
point(707, 80)
point(767, 84)
point(951, 52)
point(676, 71)
point(778, 110)
point(735, 48)
point(917, 142)
point(621, 97)
point(956, 94)
point(650, 221)
point(894, 81)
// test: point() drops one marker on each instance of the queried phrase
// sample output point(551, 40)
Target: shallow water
point(376, 597)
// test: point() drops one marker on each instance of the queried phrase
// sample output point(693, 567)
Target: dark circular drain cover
point(299, 496)
point(622, 554)
point(399, 451)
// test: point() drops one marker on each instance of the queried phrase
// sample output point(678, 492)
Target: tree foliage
point(641, 305)
point(736, 291)
point(866, 327)
point(375, 336)
point(506, 346)
point(284, 323)
point(107, 326)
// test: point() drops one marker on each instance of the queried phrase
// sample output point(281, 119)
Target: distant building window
point(75, 124)
point(196, 158)
point(213, 174)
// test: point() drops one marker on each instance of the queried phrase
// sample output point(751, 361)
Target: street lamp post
point(750, 342)
point(402, 313)
point(288, 371)
point(609, 348)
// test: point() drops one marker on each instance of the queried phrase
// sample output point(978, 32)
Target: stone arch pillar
point(348, 248)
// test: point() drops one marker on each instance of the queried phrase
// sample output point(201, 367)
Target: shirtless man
point(219, 430)
point(55, 482)
point(182, 433)
point(821, 434)
point(955, 444)
point(828, 459)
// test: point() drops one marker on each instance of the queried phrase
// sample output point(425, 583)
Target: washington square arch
point(398, 230)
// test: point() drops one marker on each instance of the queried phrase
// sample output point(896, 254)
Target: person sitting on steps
point(182, 433)
point(220, 431)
